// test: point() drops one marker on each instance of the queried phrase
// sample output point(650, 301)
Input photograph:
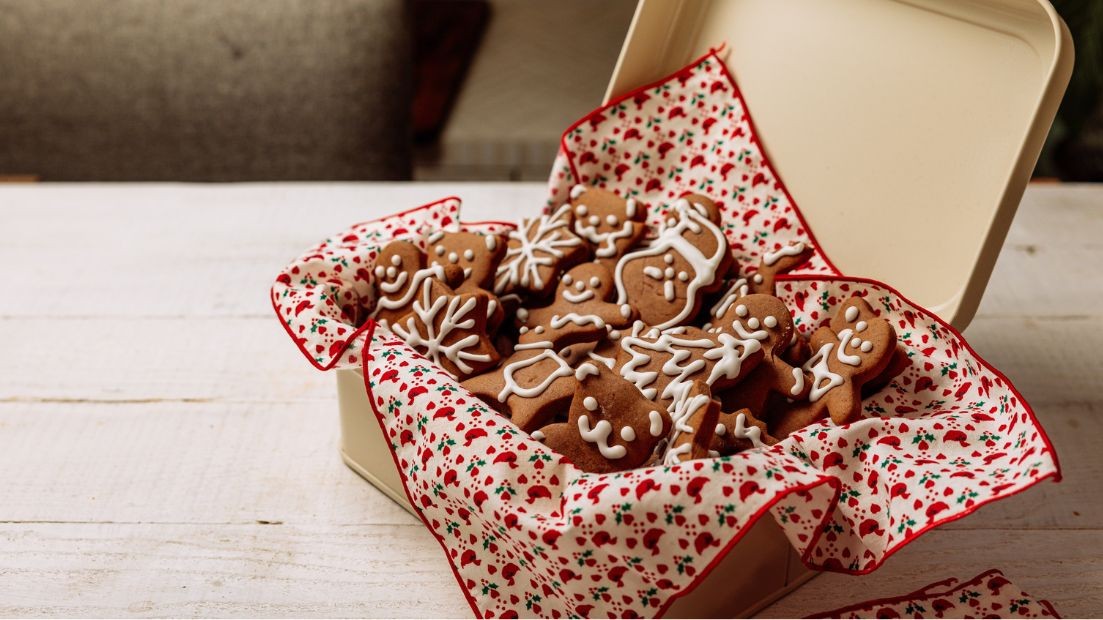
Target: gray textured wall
point(204, 90)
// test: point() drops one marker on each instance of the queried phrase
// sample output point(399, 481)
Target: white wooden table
point(165, 450)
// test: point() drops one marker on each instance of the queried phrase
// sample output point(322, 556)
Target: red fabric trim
point(563, 145)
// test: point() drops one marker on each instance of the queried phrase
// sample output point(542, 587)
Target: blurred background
point(259, 90)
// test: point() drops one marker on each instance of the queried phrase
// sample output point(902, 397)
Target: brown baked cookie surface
point(582, 310)
point(611, 224)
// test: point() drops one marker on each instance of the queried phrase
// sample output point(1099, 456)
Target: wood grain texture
point(167, 452)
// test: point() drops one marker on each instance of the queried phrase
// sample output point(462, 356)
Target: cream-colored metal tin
point(906, 130)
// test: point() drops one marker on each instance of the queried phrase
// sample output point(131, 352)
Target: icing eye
point(523, 314)
point(567, 279)
point(861, 326)
point(855, 342)
point(439, 250)
point(469, 254)
point(625, 311)
point(671, 222)
point(770, 322)
point(579, 285)
point(523, 330)
point(758, 278)
point(391, 272)
point(669, 273)
point(379, 271)
point(867, 346)
point(612, 220)
point(396, 260)
point(595, 282)
point(594, 220)
point(590, 403)
point(669, 258)
point(851, 314)
point(628, 433)
point(753, 323)
point(683, 276)
point(741, 310)
point(453, 258)
point(581, 210)
point(539, 329)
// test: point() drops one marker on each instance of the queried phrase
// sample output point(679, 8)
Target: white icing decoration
point(396, 260)
point(456, 311)
point(469, 254)
point(758, 279)
point(590, 403)
point(453, 258)
point(545, 236)
point(511, 387)
point(820, 373)
point(538, 436)
point(611, 220)
point(851, 314)
point(682, 409)
point(436, 236)
point(741, 310)
point(580, 285)
point(523, 314)
point(861, 327)
point(491, 242)
point(793, 249)
point(595, 282)
point(630, 207)
point(594, 220)
point(738, 289)
point(720, 430)
point(391, 272)
point(600, 435)
point(576, 298)
point(841, 354)
point(625, 311)
point(798, 382)
point(867, 346)
point(742, 431)
point(415, 284)
point(656, 423)
point(439, 250)
point(628, 433)
point(577, 191)
point(753, 323)
point(567, 279)
point(557, 322)
point(770, 322)
point(585, 370)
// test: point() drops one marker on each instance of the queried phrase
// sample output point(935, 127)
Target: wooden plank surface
point(167, 451)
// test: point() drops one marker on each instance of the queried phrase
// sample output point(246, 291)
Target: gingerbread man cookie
point(766, 319)
point(537, 251)
point(688, 260)
point(661, 364)
point(855, 348)
point(530, 387)
point(613, 225)
point(449, 329)
point(399, 273)
point(610, 426)
point(777, 262)
point(581, 312)
point(479, 256)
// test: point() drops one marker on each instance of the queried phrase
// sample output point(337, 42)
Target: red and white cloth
point(528, 534)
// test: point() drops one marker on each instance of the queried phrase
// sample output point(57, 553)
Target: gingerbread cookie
point(478, 255)
point(530, 387)
point(449, 329)
point(661, 364)
point(610, 427)
point(695, 415)
point(688, 260)
point(901, 361)
point(399, 273)
point(738, 431)
point(855, 348)
point(581, 312)
point(537, 251)
point(613, 225)
point(766, 319)
point(777, 262)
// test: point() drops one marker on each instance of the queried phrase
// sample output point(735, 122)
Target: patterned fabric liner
point(528, 534)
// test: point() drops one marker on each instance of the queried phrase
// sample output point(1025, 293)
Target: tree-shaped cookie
point(537, 251)
point(766, 319)
point(667, 280)
point(530, 387)
point(695, 415)
point(738, 431)
point(582, 310)
point(449, 329)
point(612, 225)
point(661, 364)
point(855, 348)
point(399, 273)
point(776, 262)
point(610, 426)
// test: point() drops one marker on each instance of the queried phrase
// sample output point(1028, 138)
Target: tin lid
point(906, 130)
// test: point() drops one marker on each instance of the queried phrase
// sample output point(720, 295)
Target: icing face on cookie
point(668, 278)
point(477, 254)
point(607, 221)
point(581, 310)
point(399, 274)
